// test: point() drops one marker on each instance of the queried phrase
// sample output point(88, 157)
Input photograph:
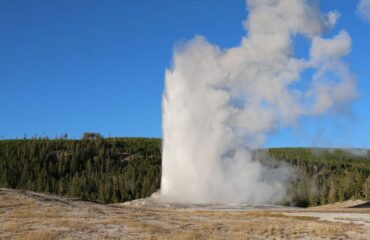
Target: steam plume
point(220, 103)
point(363, 9)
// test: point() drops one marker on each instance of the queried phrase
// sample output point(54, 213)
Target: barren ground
point(28, 215)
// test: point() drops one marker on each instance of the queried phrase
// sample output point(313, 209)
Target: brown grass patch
point(37, 235)
point(25, 219)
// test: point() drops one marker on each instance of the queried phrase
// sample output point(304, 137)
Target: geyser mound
point(220, 103)
point(156, 200)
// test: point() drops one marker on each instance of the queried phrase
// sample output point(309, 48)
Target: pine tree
point(366, 188)
point(332, 196)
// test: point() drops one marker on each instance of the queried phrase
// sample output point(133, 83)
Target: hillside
point(111, 170)
point(326, 175)
point(94, 168)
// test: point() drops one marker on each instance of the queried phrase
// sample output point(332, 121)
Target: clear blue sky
point(70, 66)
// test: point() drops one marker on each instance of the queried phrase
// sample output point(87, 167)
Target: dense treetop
point(121, 169)
point(94, 168)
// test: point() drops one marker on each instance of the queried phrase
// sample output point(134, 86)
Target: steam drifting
point(363, 9)
point(220, 103)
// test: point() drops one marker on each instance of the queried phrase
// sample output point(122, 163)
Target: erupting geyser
point(219, 103)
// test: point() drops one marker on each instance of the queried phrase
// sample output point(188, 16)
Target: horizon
point(64, 137)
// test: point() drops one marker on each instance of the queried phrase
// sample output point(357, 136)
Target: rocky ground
point(29, 215)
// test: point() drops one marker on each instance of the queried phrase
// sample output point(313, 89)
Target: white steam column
point(218, 103)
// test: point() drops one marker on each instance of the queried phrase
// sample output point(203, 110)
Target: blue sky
point(76, 66)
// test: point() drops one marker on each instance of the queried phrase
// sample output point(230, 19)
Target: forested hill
point(326, 175)
point(94, 168)
point(121, 169)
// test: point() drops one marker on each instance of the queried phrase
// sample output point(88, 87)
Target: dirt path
point(27, 215)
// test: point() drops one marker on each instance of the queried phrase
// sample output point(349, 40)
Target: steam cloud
point(363, 9)
point(220, 103)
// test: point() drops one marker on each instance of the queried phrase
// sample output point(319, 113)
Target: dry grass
point(27, 218)
point(339, 205)
point(236, 225)
point(11, 226)
point(37, 235)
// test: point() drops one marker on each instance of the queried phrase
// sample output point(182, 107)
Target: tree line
point(99, 169)
point(110, 170)
point(325, 175)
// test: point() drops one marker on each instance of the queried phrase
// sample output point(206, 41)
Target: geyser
point(220, 103)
